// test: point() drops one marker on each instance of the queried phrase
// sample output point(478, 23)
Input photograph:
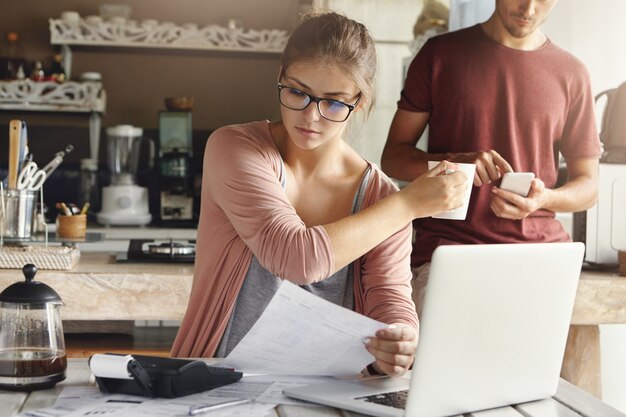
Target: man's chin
point(521, 33)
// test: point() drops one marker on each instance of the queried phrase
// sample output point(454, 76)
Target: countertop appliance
point(176, 194)
point(167, 251)
point(603, 227)
point(124, 202)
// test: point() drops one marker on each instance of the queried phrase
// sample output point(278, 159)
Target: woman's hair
point(334, 39)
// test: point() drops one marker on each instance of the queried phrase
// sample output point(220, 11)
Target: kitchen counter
point(117, 237)
point(100, 289)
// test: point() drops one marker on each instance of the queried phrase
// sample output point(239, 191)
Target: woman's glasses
point(333, 110)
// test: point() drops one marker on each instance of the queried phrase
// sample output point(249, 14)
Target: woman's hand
point(393, 348)
point(435, 191)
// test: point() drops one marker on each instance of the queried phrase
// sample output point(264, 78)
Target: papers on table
point(298, 334)
point(265, 390)
point(89, 401)
point(302, 334)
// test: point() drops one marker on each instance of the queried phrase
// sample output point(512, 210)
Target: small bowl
point(179, 103)
point(109, 11)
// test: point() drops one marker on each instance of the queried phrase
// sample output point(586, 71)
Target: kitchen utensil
point(19, 210)
point(23, 149)
point(32, 348)
point(56, 161)
point(15, 131)
point(31, 177)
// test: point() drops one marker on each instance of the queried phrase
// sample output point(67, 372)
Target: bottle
point(57, 72)
point(11, 60)
point(88, 188)
point(38, 73)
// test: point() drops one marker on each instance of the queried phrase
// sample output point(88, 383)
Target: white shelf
point(70, 96)
point(153, 34)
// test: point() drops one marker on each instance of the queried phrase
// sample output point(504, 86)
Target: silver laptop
point(493, 331)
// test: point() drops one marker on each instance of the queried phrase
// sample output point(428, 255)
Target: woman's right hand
point(435, 191)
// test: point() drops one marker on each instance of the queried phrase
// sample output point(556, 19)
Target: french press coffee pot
point(32, 349)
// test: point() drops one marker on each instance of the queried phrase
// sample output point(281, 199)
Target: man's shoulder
point(564, 57)
point(456, 37)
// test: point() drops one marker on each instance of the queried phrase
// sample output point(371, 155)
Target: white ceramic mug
point(461, 212)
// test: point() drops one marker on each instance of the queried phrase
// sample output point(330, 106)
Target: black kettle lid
point(29, 291)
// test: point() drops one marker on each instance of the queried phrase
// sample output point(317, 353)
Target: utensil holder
point(73, 227)
point(19, 206)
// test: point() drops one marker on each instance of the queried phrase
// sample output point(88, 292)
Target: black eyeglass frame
point(316, 100)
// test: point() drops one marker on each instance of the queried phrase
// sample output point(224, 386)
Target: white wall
point(596, 33)
point(391, 46)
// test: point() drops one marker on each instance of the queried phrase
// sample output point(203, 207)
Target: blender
point(124, 202)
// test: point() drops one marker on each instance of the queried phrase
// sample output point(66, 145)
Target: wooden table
point(99, 289)
point(600, 299)
point(568, 402)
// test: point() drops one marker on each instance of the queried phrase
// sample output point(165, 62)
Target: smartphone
point(517, 182)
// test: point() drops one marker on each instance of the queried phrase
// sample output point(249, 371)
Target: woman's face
point(307, 129)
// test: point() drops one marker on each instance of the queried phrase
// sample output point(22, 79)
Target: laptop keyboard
point(395, 399)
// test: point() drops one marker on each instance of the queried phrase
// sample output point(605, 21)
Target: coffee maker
point(123, 201)
point(175, 167)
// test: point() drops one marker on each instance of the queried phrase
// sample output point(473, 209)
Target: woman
point(292, 200)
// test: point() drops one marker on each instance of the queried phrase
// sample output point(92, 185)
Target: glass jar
point(32, 348)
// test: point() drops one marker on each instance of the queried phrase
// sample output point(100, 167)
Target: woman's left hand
point(393, 348)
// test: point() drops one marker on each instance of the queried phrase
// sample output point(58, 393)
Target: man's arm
point(401, 160)
point(577, 194)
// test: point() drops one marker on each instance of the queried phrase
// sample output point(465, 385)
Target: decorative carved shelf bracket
point(70, 96)
point(153, 34)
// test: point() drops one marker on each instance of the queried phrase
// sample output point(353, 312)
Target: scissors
point(31, 177)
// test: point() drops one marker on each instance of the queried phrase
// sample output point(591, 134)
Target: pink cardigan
point(245, 210)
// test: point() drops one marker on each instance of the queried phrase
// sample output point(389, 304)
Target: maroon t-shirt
point(525, 105)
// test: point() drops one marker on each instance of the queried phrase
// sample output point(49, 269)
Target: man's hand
point(489, 165)
point(512, 206)
point(393, 348)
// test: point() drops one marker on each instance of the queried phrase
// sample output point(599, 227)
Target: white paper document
point(302, 334)
point(88, 401)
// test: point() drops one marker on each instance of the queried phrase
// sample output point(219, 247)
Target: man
point(503, 96)
point(500, 95)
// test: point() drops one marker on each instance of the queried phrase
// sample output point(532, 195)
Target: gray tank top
point(260, 285)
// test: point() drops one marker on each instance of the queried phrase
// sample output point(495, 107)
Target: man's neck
point(496, 31)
